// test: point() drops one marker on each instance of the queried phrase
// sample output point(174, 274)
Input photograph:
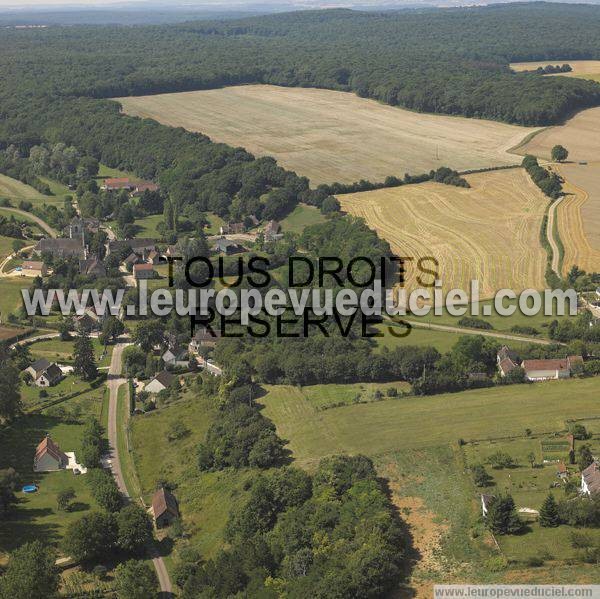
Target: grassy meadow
point(301, 216)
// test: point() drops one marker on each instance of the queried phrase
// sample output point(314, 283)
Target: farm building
point(49, 457)
point(543, 370)
point(144, 271)
point(232, 228)
point(36, 369)
point(160, 382)
point(590, 479)
point(31, 268)
point(140, 188)
point(152, 257)
point(118, 183)
point(164, 508)
point(562, 471)
point(271, 231)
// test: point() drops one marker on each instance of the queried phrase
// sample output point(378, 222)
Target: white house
point(160, 382)
point(558, 368)
point(44, 373)
point(590, 479)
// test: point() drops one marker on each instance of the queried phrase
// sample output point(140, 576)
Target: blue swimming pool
point(30, 488)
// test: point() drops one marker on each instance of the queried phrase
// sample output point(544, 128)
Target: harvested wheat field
point(580, 135)
point(332, 136)
point(582, 69)
point(489, 232)
point(579, 216)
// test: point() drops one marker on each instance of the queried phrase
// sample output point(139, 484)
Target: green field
point(302, 216)
point(499, 323)
point(417, 422)
point(10, 295)
point(215, 222)
point(147, 226)
point(5, 247)
point(15, 190)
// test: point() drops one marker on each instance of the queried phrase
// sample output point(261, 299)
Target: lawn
point(147, 226)
point(419, 422)
point(302, 216)
point(30, 394)
point(215, 222)
point(5, 246)
point(108, 172)
point(62, 351)
point(59, 191)
point(36, 515)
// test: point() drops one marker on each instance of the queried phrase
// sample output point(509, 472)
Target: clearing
point(579, 216)
point(582, 69)
point(332, 136)
point(489, 232)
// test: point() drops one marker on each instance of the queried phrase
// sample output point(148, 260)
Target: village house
point(44, 373)
point(163, 380)
point(164, 508)
point(229, 248)
point(144, 271)
point(271, 232)
point(176, 357)
point(152, 257)
point(31, 268)
point(537, 370)
point(172, 251)
point(92, 267)
point(204, 337)
point(590, 479)
point(61, 248)
point(49, 457)
point(561, 471)
point(88, 321)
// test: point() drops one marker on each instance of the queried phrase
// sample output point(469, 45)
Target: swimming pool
point(30, 488)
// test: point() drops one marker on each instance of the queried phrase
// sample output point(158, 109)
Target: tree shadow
point(411, 554)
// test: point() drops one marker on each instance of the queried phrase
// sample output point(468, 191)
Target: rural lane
point(36, 219)
point(483, 332)
point(115, 380)
point(550, 236)
point(29, 340)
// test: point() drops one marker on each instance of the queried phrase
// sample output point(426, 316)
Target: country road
point(36, 219)
point(8, 259)
point(115, 380)
point(483, 332)
point(550, 234)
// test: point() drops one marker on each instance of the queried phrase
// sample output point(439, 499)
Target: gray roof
point(164, 378)
point(53, 372)
point(40, 365)
point(60, 247)
point(591, 476)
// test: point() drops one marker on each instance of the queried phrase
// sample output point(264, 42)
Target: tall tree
point(549, 517)
point(10, 399)
point(84, 363)
point(559, 153)
point(584, 457)
point(502, 517)
point(31, 573)
point(135, 580)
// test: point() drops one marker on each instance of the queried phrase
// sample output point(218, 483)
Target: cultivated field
point(489, 232)
point(333, 136)
point(582, 69)
point(580, 135)
point(579, 216)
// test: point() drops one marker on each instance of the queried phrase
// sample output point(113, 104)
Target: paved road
point(38, 221)
point(29, 340)
point(115, 380)
point(485, 333)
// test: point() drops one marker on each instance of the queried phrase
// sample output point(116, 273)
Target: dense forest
point(57, 81)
